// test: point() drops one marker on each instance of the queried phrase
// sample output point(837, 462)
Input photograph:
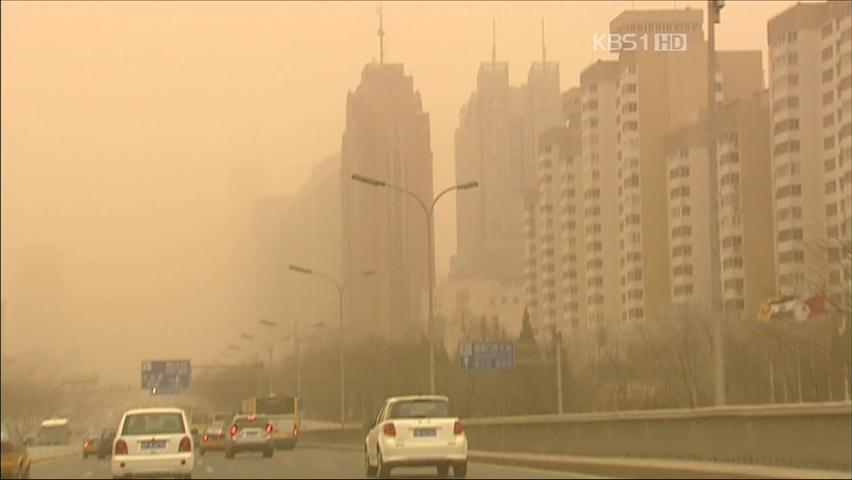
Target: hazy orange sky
point(120, 121)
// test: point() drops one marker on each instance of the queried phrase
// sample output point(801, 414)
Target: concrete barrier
point(804, 436)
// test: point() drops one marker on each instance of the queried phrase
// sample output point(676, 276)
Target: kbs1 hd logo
point(632, 42)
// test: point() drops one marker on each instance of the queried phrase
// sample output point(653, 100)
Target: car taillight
point(295, 430)
point(86, 444)
point(205, 438)
point(389, 429)
point(185, 445)
point(458, 428)
point(268, 428)
point(233, 430)
point(121, 447)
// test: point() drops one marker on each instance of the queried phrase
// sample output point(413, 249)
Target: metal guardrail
point(788, 435)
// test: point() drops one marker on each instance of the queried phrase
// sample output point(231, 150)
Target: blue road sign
point(487, 356)
point(165, 376)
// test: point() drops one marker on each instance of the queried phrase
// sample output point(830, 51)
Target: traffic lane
point(298, 463)
point(334, 463)
point(71, 467)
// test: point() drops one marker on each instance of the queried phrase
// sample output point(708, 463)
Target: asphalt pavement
point(303, 462)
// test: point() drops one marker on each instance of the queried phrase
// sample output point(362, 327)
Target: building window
point(794, 190)
point(732, 262)
point(791, 256)
point(790, 234)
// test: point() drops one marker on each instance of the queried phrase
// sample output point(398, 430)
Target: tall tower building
point(809, 83)
point(387, 137)
point(495, 143)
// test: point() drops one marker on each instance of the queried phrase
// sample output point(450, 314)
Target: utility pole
point(714, 8)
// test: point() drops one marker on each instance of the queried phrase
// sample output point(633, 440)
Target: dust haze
point(147, 147)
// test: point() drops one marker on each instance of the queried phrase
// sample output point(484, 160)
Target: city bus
point(283, 415)
point(54, 431)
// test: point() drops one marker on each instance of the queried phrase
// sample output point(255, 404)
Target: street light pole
point(430, 234)
point(714, 8)
point(340, 287)
point(297, 342)
point(558, 339)
point(271, 324)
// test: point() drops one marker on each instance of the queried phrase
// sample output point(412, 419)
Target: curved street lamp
point(340, 287)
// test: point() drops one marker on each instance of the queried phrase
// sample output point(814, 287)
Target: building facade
point(656, 93)
point(387, 137)
point(746, 234)
point(495, 144)
point(809, 84)
point(600, 207)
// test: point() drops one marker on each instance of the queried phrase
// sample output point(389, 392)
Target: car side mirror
point(194, 431)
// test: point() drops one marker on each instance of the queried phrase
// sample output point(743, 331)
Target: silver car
point(249, 433)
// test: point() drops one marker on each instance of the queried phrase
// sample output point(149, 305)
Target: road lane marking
point(209, 469)
point(87, 474)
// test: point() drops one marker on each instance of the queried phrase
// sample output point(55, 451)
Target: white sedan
point(153, 442)
point(416, 431)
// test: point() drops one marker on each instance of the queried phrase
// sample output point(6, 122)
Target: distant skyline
point(121, 122)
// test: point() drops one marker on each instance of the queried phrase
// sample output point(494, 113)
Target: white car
point(153, 442)
point(416, 431)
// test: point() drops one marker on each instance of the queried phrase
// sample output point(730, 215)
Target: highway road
point(303, 462)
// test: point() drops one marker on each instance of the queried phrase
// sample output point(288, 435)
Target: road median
point(647, 468)
point(626, 467)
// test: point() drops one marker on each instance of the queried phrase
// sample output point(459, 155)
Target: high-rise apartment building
point(600, 206)
point(746, 235)
point(809, 83)
point(656, 93)
point(739, 75)
point(387, 137)
point(835, 55)
point(555, 268)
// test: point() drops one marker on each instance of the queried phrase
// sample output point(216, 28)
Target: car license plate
point(153, 444)
point(425, 432)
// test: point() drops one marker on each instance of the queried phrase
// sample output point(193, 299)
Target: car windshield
point(420, 409)
point(216, 427)
point(243, 422)
point(153, 423)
